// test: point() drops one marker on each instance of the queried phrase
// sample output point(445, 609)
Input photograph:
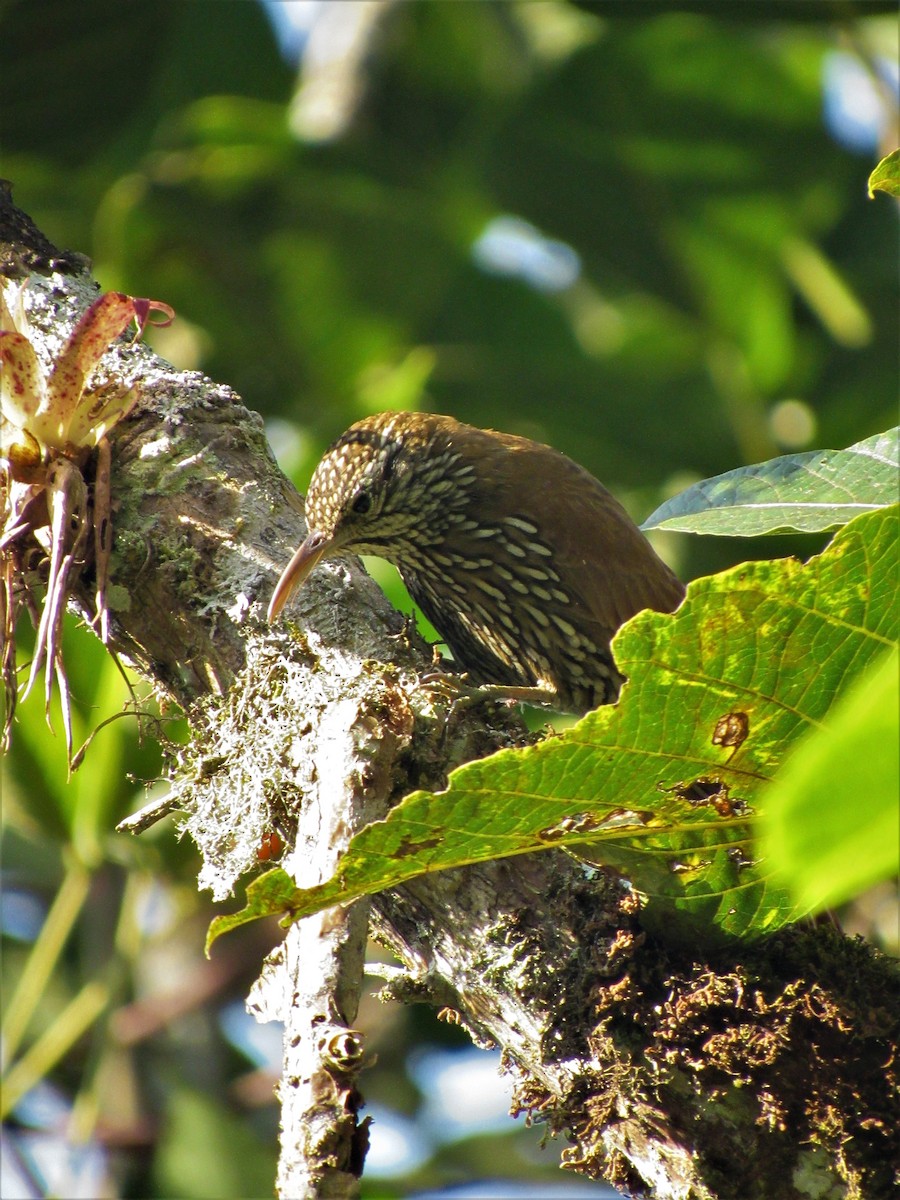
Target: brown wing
point(606, 564)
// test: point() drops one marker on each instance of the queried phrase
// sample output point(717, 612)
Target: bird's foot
point(463, 694)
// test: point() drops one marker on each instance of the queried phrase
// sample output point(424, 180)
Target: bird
point(521, 560)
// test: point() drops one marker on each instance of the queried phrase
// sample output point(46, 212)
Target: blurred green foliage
point(735, 298)
point(833, 825)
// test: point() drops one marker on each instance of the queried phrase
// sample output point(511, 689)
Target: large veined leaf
point(817, 490)
point(665, 784)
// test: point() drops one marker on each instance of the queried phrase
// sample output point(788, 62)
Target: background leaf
point(831, 821)
point(816, 491)
point(886, 176)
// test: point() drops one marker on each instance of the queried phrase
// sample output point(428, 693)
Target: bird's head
point(389, 486)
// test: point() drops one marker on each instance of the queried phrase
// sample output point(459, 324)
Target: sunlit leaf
point(818, 490)
point(269, 894)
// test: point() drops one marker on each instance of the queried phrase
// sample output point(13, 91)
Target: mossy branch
point(757, 1071)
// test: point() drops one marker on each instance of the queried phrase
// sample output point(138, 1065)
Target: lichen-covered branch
point(764, 1071)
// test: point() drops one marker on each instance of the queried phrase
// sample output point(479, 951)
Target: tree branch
point(756, 1071)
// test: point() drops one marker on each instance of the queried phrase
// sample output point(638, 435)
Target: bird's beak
point(294, 574)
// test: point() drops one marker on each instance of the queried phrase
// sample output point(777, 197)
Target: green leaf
point(830, 822)
point(270, 894)
point(886, 176)
point(818, 490)
point(664, 785)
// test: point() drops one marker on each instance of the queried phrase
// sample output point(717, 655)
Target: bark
point(762, 1071)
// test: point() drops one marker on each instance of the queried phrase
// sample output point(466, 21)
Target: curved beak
point(295, 573)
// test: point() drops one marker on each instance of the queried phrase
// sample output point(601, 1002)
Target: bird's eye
point(362, 502)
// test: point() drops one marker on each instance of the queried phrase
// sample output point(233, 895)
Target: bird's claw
point(463, 694)
point(453, 688)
